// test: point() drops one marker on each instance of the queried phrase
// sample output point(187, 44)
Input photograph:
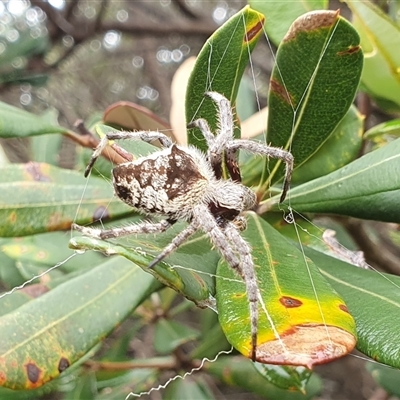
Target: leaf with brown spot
point(40, 339)
point(302, 323)
point(37, 197)
point(313, 84)
point(224, 58)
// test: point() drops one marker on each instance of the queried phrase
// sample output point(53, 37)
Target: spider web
point(291, 217)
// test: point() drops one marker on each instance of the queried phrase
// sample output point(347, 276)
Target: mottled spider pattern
point(183, 183)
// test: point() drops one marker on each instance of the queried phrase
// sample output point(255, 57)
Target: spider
point(183, 183)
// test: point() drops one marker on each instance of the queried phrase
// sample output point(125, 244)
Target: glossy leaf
point(15, 122)
point(39, 197)
point(193, 280)
point(367, 293)
point(299, 309)
point(310, 95)
point(240, 372)
point(380, 40)
point(341, 148)
point(366, 188)
point(220, 66)
point(280, 15)
point(42, 339)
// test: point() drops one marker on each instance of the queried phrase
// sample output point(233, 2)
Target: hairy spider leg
point(224, 141)
point(274, 152)
point(217, 143)
point(249, 278)
point(203, 219)
point(146, 136)
point(214, 158)
point(225, 135)
point(143, 227)
point(175, 243)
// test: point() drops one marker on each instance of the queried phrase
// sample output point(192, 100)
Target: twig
point(160, 363)
point(353, 257)
point(185, 10)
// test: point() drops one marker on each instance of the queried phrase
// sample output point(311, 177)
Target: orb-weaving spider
point(183, 183)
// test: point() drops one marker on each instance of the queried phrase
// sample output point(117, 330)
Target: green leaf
point(240, 372)
point(310, 95)
point(385, 377)
point(384, 132)
point(189, 270)
point(280, 14)
point(367, 293)
point(212, 339)
point(341, 148)
point(366, 188)
point(39, 197)
point(15, 122)
point(46, 148)
point(26, 45)
point(41, 339)
point(220, 66)
point(380, 40)
point(137, 381)
point(299, 309)
point(48, 249)
point(169, 335)
point(284, 376)
point(188, 388)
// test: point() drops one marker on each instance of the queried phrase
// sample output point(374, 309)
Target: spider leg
point(140, 135)
point(215, 158)
point(217, 143)
point(175, 243)
point(225, 135)
point(144, 227)
point(223, 239)
point(249, 277)
point(274, 152)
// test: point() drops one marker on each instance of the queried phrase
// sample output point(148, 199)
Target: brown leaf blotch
point(63, 364)
point(290, 302)
point(311, 21)
point(33, 372)
point(349, 50)
point(3, 378)
point(35, 290)
point(35, 171)
point(344, 308)
point(253, 31)
point(278, 89)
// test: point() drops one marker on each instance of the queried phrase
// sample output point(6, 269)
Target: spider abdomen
point(168, 182)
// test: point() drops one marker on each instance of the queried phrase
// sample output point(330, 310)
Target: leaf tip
point(311, 21)
point(307, 345)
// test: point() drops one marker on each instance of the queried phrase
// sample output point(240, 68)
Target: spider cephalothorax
point(183, 183)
